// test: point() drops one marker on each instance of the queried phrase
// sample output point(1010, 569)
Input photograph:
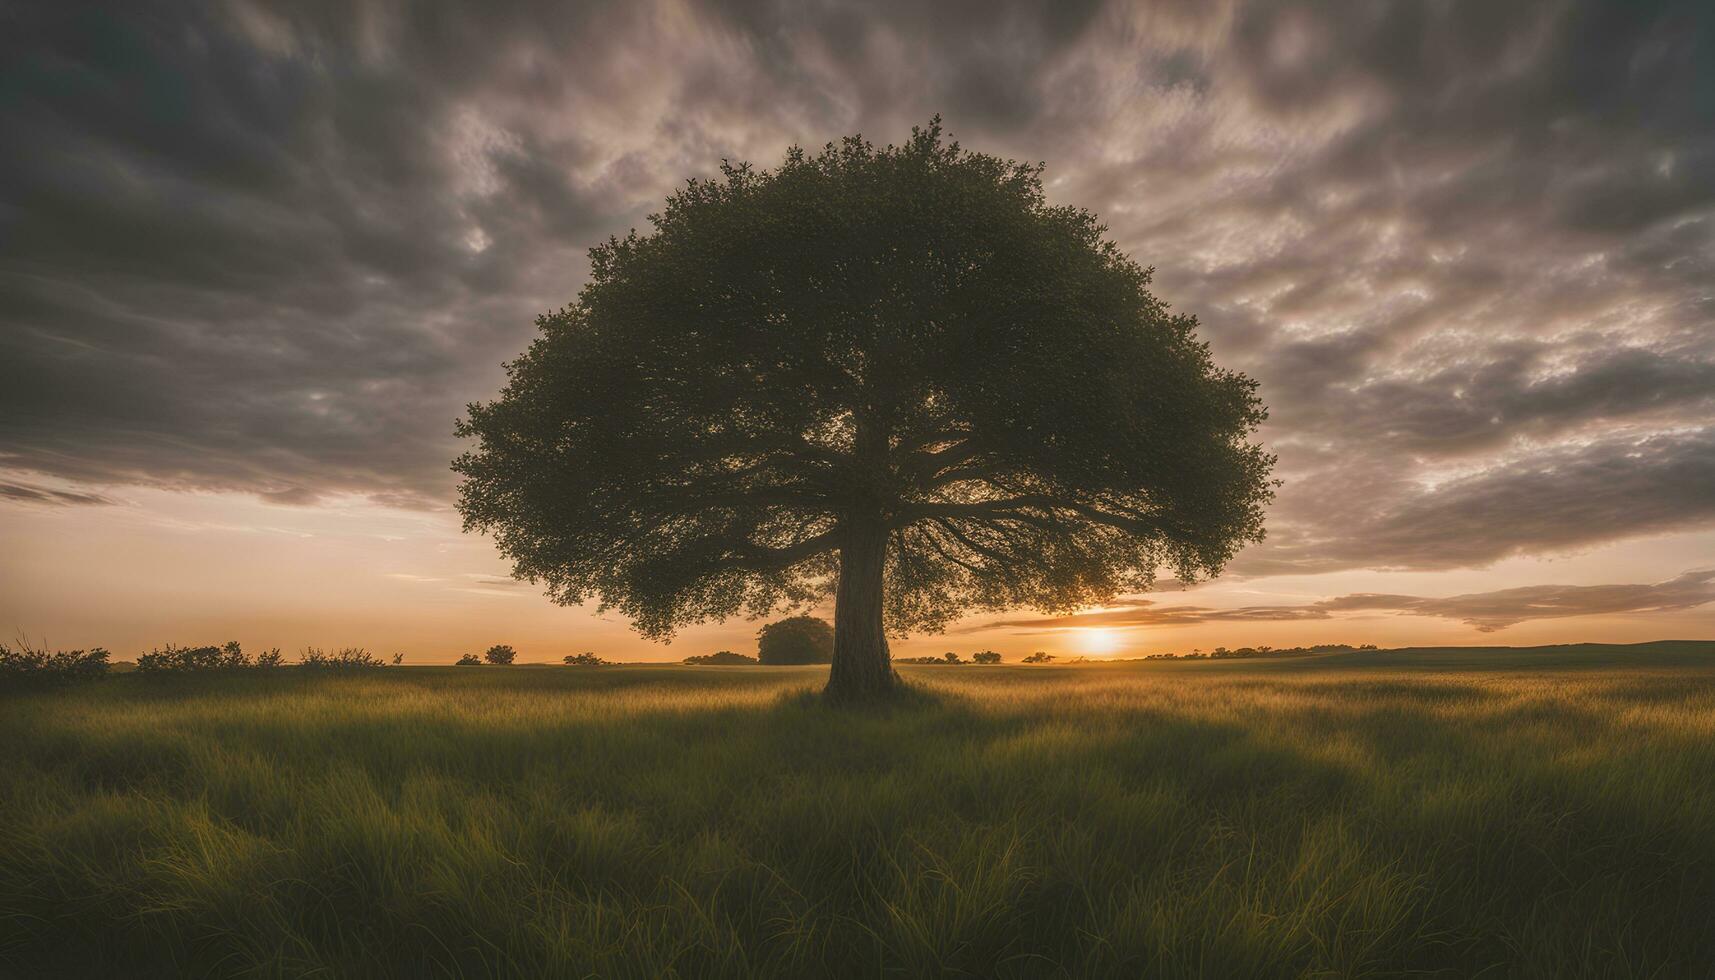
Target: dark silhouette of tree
point(985, 657)
point(896, 376)
point(1039, 657)
point(468, 660)
point(722, 658)
point(26, 666)
point(796, 640)
point(585, 659)
point(500, 653)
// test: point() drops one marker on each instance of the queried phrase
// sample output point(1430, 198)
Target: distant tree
point(26, 666)
point(721, 658)
point(1039, 657)
point(585, 659)
point(469, 660)
point(269, 659)
point(345, 658)
point(985, 657)
point(172, 659)
point(796, 640)
point(951, 658)
point(895, 376)
point(500, 653)
point(398, 658)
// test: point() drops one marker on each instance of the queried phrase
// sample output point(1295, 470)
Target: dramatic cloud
point(1487, 611)
point(1536, 500)
point(1468, 248)
point(47, 495)
point(1491, 611)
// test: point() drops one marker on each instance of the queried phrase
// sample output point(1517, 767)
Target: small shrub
point(232, 656)
point(500, 653)
point(398, 658)
point(985, 657)
point(27, 666)
point(469, 660)
point(187, 660)
point(585, 659)
point(345, 658)
point(721, 657)
point(228, 656)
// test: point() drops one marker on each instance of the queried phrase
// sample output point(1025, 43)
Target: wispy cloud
point(1486, 611)
point(32, 494)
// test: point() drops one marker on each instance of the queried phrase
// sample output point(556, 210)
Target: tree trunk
point(862, 668)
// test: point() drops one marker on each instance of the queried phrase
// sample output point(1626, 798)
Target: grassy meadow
point(1493, 813)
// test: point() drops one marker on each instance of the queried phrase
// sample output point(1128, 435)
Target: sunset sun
point(1097, 640)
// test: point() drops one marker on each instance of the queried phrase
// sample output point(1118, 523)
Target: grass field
point(1499, 813)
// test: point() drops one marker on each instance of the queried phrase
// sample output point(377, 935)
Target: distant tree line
point(27, 666)
point(721, 658)
point(230, 657)
point(980, 657)
point(1242, 653)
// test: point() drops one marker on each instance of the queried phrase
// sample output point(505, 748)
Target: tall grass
point(1377, 815)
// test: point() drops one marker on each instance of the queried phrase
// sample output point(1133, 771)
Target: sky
point(256, 257)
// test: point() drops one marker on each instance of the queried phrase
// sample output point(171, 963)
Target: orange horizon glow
point(196, 568)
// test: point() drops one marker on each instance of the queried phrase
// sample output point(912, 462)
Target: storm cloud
point(1467, 248)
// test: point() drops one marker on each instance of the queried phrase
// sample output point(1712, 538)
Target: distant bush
point(721, 657)
point(796, 640)
point(27, 666)
point(181, 660)
point(500, 653)
point(1039, 657)
point(398, 658)
point(1245, 653)
point(346, 658)
point(985, 657)
point(469, 660)
point(946, 658)
point(205, 659)
point(585, 659)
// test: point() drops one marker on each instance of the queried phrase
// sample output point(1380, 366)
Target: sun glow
point(1099, 640)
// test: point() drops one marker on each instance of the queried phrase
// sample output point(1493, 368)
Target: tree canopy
point(894, 375)
point(796, 640)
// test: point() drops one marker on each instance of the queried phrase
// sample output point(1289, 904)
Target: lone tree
point(796, 640)
point(500, 653)
point(894, 375)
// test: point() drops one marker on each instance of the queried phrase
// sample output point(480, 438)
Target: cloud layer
point(1488, 612)
point(1468, 248)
